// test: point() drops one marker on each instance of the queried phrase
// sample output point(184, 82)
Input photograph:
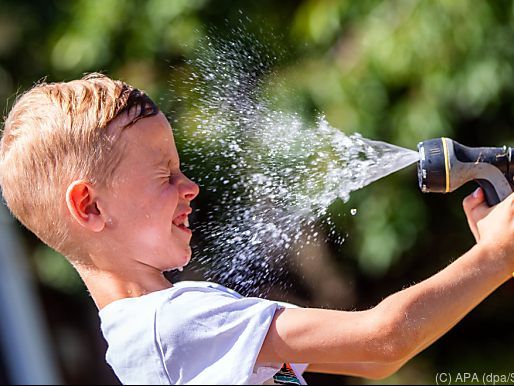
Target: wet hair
point(60, 132)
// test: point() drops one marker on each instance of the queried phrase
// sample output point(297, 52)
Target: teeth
point(186, 222)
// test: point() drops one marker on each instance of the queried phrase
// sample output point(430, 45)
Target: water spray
point(445, 165)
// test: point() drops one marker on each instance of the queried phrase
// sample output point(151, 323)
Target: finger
point(475, 208)
point(474, 199)
point(475, 205)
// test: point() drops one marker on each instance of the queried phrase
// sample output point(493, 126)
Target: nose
point(188, 189)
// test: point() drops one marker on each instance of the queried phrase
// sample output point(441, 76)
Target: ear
point(82, 205)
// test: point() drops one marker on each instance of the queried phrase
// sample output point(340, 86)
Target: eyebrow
point(167, 161)
point(163, 160)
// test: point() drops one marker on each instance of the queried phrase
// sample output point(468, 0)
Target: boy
point(90, 166)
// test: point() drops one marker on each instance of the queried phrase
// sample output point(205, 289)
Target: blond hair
point(57, 133)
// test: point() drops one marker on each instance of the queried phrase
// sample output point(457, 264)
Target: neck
point(108, 286)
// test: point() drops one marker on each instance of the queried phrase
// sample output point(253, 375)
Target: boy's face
point(149, 204)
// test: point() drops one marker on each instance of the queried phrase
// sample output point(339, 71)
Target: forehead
point(148, 141)
point(150, 137)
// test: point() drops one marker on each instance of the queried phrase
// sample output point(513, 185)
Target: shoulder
point(205, 286)
point(182, 293)
point(197, 293)
point(201, 307)
point(198, 300)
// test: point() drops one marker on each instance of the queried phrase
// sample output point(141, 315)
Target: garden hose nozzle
point(445, 165)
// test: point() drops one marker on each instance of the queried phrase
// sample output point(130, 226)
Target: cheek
point(155, 216)
point(149, 237)
point(146, 216)
point(169, 197)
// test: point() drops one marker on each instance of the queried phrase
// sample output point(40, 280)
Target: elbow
point(391, 352)
point(395, 350)
point(380, 372)
point(393, 343)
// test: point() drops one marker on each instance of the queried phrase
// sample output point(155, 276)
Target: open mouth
point(182, 223)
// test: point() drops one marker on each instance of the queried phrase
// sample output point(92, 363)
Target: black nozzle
point(445, 165)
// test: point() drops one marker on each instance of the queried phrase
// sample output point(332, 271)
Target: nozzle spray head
point(432, 167)
point(445, 165)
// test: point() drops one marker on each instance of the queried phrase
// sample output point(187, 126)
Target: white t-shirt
point(192, 333)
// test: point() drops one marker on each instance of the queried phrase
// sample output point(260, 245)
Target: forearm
point(427, 311)
point(422, 313)
point(392, 332)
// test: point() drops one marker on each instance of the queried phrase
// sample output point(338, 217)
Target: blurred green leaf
point(55, 271)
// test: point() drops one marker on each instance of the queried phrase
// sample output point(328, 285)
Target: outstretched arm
point(373, 342)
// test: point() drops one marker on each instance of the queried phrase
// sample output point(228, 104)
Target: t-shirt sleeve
point(210, 337)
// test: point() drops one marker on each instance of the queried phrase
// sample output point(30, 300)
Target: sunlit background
point(394, 71)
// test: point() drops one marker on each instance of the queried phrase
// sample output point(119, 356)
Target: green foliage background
point(394, 71)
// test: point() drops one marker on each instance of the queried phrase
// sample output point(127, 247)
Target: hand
point(493, 226)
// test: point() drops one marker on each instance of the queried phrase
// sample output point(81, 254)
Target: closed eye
point(172, 175)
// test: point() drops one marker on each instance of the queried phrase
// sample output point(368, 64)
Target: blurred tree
point(395, 71)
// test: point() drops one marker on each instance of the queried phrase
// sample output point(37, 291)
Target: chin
point(182, 261)
point(186, 260)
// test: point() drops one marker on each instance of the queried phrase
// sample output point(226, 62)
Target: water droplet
point(287, 171)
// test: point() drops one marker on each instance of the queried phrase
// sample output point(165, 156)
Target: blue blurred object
point(28, 356)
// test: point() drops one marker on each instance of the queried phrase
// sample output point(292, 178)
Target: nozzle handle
point(489, 177)
point(487, 166)
point(491, 195)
